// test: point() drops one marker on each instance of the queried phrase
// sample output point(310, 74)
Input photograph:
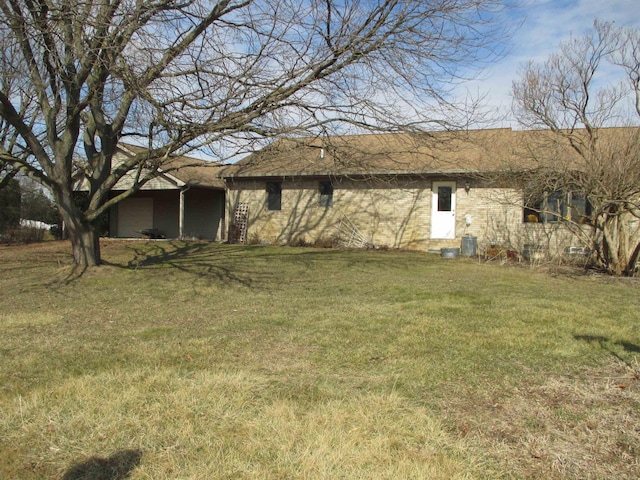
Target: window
point(444, 198)
point(326, 194)
point(579, 208)
point(556, 206)
point(274, 196)
point(531, 211)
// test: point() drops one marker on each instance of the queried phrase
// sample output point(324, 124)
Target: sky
point(544, 25)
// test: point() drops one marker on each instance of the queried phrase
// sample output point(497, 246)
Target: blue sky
point(545, 24)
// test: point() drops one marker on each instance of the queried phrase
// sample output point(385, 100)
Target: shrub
point(300, 242)
point(326, 242)
point(22, 235)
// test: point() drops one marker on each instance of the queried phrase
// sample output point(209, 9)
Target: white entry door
point(443, 210)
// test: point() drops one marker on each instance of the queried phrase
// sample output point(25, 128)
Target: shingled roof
point(190, 171)
point(382, 154)
point(444, 153)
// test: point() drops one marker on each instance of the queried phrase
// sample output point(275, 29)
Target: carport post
point(183, 190)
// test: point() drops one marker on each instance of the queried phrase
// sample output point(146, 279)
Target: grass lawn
point(205, 361)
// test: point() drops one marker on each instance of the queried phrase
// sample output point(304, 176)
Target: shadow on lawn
point(116, 467)
point(605, 344)
point(228, 263)
point(199, 259)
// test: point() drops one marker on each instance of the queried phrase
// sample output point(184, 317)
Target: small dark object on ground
point(152, 233)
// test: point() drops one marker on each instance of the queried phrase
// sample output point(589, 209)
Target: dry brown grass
point(583, 425)
point(202, 361)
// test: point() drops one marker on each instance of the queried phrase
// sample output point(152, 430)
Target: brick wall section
point(394, 213)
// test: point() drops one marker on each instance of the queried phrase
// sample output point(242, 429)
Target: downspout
point(183, 190)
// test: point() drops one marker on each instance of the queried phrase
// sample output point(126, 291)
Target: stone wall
point(393, 213)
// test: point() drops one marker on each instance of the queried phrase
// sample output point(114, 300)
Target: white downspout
point(181, 220)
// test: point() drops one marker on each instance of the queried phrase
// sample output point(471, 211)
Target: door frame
point(443, 222)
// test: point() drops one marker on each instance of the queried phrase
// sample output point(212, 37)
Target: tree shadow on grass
point(116, 467)
point(605, 343)
point(232, 264)
point(244, 265)
point(199, 259)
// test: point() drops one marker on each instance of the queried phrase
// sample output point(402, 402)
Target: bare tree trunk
point(611, 241)
point(86, 247)
point(84, 237)
point(633, 261)
point(618, 255)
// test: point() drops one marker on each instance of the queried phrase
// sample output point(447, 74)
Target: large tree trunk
point(85, 243)
point(635, 258)
point(611, 246)
point(618, 253)
point(84, 237)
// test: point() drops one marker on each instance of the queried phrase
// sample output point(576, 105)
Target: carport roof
point(186, 170)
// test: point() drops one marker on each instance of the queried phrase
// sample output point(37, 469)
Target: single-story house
point(184, 201)
point(410, 191)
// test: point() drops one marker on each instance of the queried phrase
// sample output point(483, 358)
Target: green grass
point(205, 361)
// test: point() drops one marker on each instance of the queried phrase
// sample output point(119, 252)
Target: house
point(186, 200)
point(410, 191)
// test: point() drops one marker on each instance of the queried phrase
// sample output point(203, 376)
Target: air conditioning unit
point(576, 251)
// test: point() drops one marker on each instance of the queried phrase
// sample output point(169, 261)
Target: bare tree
point(79, 76)
point(572, 97)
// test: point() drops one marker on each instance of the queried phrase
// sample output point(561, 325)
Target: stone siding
point(394, 214)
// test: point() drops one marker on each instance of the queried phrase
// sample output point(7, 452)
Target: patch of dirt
point(582, 427)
